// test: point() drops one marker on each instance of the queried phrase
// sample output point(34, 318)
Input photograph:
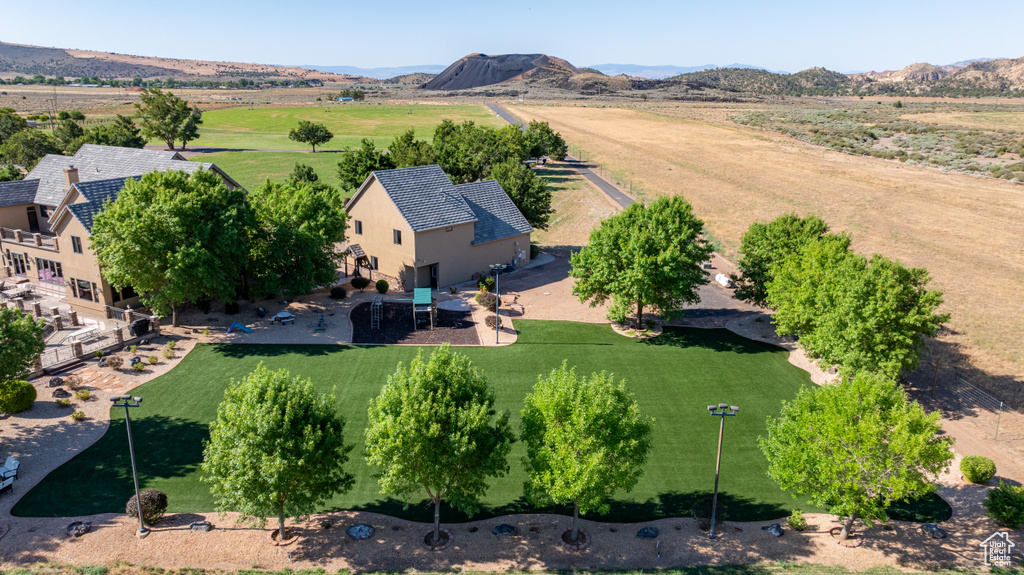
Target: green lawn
point(251, 168)
point(267, 128)
point(674, 378)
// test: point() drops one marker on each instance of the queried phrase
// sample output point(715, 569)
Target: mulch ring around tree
point(854, 540)
point(451, 326)
point(445, 540)
point(582, 540)
point(292, 534)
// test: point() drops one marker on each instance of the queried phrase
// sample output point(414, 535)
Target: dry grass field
point(969, 232)
point(578, 208)
point(980, 120)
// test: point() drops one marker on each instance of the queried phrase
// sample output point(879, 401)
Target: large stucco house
point(415, 228)
point(46, 220)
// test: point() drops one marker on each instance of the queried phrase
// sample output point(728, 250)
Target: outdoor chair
point(7, 484)
point(10, 468)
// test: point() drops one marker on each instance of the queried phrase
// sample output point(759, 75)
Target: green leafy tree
point(276, 449)
point(527, 191)
point(467, 152)
point(305, 175)
point(644, 257)
point(291, 243)
point(68, 130)
point(796, 289)
point(765, 246)
point(10, 124)
point(10, 173)
point(189, 131)
point(162, 115)
point(434, 428)
point(312, 133)
point(22, 339)
point(585, 439)
point(406, 151)
point(174, 238)
point(121, 132)
point(543, 141)
point(856, 447)
point(27, 147)
point(355, 166)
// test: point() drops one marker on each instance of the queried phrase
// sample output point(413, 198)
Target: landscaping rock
point(61, 393)
point(360, 531)
point(55, 382)
point(934, 530)
point(775, 529)
point(647, 533)
point(102, 363)
point(201, 526)
point(78, 528)
point(503, 530)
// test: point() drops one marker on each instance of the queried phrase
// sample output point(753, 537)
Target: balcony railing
point(47, 240)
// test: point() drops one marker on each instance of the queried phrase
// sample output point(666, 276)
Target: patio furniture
point(7, 484)
point(321, 325)
point(10, 468)
point(287, 320)
point(281, 317)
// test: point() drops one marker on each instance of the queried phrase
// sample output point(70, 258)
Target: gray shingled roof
point(97, 193)
point(425, 197)
point(18, 193)
point(497, 216)
point(95, 162)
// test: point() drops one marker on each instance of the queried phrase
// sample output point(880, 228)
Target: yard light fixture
point(127, 401)
point(724, 410)
point(496, 270)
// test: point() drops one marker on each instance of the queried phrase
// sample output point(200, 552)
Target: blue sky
point(791, 36)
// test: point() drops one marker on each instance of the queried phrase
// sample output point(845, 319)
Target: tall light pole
point(125, 401)
point(724, 410)
point(496, 270)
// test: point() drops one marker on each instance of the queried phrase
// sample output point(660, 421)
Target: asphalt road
point(611, 191)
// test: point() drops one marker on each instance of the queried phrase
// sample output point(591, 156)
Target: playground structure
point(422, 303)
point(239, 327)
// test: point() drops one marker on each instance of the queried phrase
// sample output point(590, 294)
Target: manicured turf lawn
point(251, 168)
point(267, 128)
point(674, 378)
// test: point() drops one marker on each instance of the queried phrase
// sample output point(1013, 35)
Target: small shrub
point(206, 331)
point(534, 251)
point(977, 469)
point(72, 381)
point(134, 349)
point(78, 415)
point(1005, 504)
point(485, 283)
point(338, 292)
point(382, 286)
point(231, 308)
point(360, 282)
point(83, 394)
point(172, 344)
point(16, 396)
point(115, 362)
point(487, 299)
point(63, 402)
point(168, 353)
point(98, 354)
point(796, 521)
point(489, 321)
point(154, 504)
point(153, 360)
point(139, 366)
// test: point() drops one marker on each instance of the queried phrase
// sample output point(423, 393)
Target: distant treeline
point(157, 82)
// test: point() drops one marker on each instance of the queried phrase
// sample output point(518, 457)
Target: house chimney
point(70, 176)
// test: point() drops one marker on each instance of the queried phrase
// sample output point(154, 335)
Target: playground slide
point(239, 327)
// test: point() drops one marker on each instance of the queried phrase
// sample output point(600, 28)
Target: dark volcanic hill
point(478, 70)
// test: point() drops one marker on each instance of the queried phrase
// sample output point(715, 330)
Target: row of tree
point(864, 314)
point(277, 447)
point(178, 238)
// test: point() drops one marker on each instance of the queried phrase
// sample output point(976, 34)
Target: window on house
point(398, 237)
point(86, 290)
point(43, 212)
point(76, 244)
point(359, 227)
point(373, 262)
point(19, 262)
point(50, 271)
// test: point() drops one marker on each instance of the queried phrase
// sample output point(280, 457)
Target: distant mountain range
point(660, 72)
point(379, 73)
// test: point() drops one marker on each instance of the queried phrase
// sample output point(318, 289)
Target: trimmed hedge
point(154, 504)
point(360, 282)
point(382, 286)
point(977, 469)
point(338, 292)
point(16, 396)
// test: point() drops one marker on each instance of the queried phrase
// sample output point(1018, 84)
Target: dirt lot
point(967, 231)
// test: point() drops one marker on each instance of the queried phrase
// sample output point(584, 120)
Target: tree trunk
point(170, 144)
point(280, 523)
point(845, 533)
point(314, 148)
point(639, 314)
point(437, 520)
point(174, 315)
point(575, 521)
